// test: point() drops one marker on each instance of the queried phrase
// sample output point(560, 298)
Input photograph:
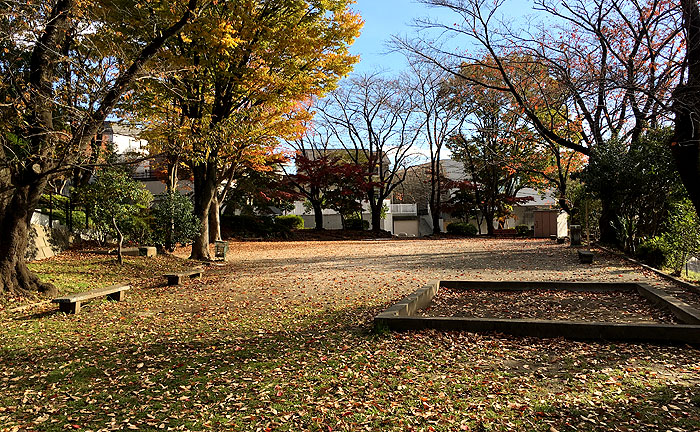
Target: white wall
point(126, 144)
point(332, 220)
point(562, 225)
point(158, 187)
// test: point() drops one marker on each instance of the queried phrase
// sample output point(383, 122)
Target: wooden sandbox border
point(402, 315)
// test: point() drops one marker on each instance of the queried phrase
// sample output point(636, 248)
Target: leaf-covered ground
point(279, 338)
point(546, 304)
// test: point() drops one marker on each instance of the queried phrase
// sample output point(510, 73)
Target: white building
point(333, 221)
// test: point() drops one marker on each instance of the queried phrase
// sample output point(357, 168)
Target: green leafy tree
point(244, 71)
point(65, 64)
point(681, 241)
point(639, 180)
point(174, 220)
point(117, 202)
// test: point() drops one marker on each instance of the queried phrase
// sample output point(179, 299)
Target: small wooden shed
point(545, 223)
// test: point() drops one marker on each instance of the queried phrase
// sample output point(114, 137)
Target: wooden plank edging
point(401, 315)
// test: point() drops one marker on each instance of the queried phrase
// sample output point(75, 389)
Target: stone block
point(147, 251)
point(585, 257)
point(575, 235)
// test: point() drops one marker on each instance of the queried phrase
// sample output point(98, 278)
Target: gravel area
point(558, 305)
point(328, 274)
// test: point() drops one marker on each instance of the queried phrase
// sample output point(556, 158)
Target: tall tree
point(685, 142)
point(116, 201)
point(437, 120)
point(617, 60)
point(372, 118)
point(66, 64)
point(249, 64)
point(493, 152)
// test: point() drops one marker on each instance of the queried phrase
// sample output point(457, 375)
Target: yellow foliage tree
point(239, 77)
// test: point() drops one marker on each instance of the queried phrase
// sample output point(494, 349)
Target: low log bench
point(585, 257)
point(176, 278)
point(71, 304)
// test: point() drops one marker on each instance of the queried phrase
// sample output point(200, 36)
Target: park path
point(385, 270)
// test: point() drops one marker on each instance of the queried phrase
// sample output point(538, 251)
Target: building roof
point(451, 169)
point(539, 198)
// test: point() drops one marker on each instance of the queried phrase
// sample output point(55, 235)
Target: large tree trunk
point(171, 185)
point(687, 157)
point(204, 191)
point(606, 223)
point(436, 220)
point(488, 219)
point(171, 188)
point(214, 221)
point(489, 215)
point(120, 242)
point(376, 213)
point(685, 143)
point(434, 210)
point(15, 217)
point(318, 215)
point(435, 194)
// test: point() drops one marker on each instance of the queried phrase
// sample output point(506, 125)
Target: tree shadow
point(328, 363)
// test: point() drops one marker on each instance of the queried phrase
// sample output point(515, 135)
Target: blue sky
point(384, 18)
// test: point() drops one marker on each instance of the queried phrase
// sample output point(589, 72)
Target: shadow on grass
point(330, 370)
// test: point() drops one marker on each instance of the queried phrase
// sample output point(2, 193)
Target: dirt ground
point(381, 269)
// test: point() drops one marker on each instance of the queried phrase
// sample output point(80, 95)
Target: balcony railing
point(404, 209)
point(147, 175)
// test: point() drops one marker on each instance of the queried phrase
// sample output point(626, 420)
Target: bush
point(139, 228)
point(60, 204)
point(290, 221)
point(523, 230)
point(461, 228)
point(119, 206)
point(244, 224)
point(681, 240)
point(356, 224)
point(173, 220)
point(256, 226)
point(652, 252)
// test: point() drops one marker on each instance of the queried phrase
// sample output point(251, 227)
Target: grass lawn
point(280, 338)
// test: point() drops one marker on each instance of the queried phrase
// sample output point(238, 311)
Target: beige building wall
point(410, 227)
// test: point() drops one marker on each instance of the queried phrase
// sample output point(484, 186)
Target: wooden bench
point(176, 278)
point(585, 257)
point(507, 232)
point(71, 304)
